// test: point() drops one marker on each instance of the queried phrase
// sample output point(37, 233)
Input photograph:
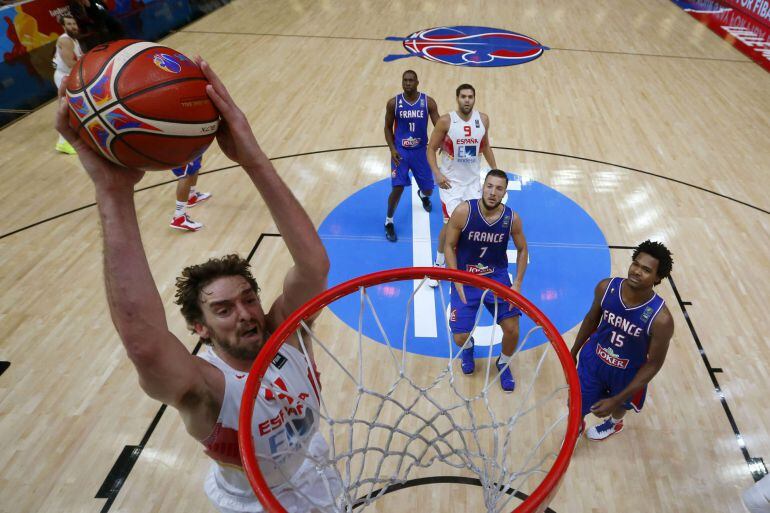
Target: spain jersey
point(461, 150)
point(411, 126)
point(622, 338)
point(483, 245)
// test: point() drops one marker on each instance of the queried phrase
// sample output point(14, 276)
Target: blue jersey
point(411, 126)
point(623, 336)
point(483, 246)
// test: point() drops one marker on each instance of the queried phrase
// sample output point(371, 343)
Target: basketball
point(141, 105)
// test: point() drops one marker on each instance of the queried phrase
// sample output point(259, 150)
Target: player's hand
point(105, 174)
point(460, 292)
point(443, 182)
point(235, 137)
point(605, 407)
point(395, 157)
point(516, 286)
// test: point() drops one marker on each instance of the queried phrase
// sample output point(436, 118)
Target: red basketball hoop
point(539, 499)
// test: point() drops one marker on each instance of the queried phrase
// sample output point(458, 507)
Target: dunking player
point(187, 196)
point(67, 54)
point(462, 136)
point(406, 132)
point(220, 302)
point(479, 230)
point(623, 340)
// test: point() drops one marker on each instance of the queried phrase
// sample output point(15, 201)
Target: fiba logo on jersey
point(469, 46)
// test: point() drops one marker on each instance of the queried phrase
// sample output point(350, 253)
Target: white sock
point(192, 192)
point(440, 258)
point(180, 206)
point(503, 359)
point(388, 220)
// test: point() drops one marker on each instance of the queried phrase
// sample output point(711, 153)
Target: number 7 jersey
point(623, 336)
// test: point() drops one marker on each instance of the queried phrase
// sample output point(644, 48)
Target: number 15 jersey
point(623, 336)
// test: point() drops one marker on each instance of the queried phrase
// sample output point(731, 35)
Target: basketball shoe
point(467, 363)
point(605, 430)
point(197, 198)
point(65, 147)
point(507, 383)
point(426, 204)
point(183, 222)
point(390, 232)
point(431, 282)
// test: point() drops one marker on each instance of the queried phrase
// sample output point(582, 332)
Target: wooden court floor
point(653, 125)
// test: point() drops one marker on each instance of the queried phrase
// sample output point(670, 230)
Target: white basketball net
point(383, 438)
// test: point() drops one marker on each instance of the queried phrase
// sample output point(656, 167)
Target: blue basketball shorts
point(190, 169)
point(415, 160)
point(462, 316)
point(599, 380)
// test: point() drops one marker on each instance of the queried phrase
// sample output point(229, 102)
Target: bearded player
point(462, 136)
point(477, 242)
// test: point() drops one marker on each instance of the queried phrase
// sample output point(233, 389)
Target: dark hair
point(63, 17)
point(659, 252)
point(498, 173)
point(409, 71)
point(190, 284)
point(464, 86)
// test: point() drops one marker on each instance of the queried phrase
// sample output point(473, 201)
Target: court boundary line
point(374, 146)
point(755, 464)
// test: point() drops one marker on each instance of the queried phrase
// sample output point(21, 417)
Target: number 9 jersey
point(461, 150)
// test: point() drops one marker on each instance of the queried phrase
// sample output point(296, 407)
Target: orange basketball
point(141, 104)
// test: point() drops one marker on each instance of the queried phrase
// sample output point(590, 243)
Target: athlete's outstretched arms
point(661, 331)
point(453, 230)
point(167, 371)
point(486, 149)
point(591, 319)
point(434, 144)
point(311, 264)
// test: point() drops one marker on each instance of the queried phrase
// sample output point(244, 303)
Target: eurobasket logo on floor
point(568, 255)
point(469, 46)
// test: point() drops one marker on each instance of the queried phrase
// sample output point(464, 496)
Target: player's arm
point(167, 371)
point(486, 149)
point(453, 229)
point(434, 144)
point(67, 51)
point(522, 252)
point(661, 332)
point(390, 121)
point(433, 111)
point(591, 319)
point(307, 278)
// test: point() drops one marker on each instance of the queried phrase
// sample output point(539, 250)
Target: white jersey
point(284, 428)
point(58, 61)
point(461, 150)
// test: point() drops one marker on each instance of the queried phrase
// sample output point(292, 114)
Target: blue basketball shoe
point(506, 377)
point(467, 363)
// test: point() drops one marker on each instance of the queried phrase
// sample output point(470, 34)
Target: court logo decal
point(469, 46)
